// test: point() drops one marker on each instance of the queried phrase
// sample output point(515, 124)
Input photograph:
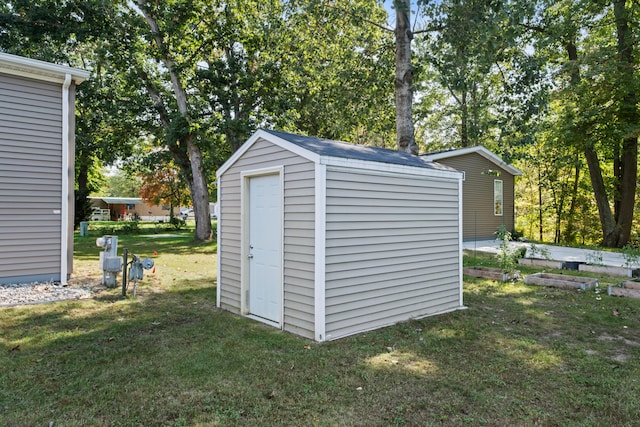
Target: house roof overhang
point(487, 154)
point(39, 70)
point(120, 200)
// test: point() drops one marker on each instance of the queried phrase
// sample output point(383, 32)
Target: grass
point(519, 355)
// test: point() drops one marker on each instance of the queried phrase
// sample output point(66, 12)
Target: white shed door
point(265, 247)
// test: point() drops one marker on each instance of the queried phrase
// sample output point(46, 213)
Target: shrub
point(508, 254)
point(130, 227)
point(538, 252)
point(594, 257)
point(177, 223)
point(631, 254)
point(516, 234)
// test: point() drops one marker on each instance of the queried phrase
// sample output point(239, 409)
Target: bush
point(177, 223)
point(130, 227)
point(502, 233)
point(516, 234)
point(631, 254)
point(508, 254)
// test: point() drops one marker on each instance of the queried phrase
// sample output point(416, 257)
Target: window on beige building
point(498, 199)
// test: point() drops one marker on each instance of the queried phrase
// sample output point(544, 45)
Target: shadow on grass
point(518, 356)
point(179, 243)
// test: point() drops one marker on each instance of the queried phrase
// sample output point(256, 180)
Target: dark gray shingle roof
point(328, 147)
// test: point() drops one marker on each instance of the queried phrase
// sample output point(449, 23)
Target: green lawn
point(518, 355)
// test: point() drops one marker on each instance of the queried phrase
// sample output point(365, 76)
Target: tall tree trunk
point(198, 180)
point(616, 225)
point(570, 231)
point(404, 79)
point(199, 193)
point(628, 116)
point(559, 208)
point(540, 208)
point(82, 168)
point(464, 121)
point(607, 221)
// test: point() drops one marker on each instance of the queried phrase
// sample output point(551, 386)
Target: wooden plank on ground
point(622, 292)
point(630, 284)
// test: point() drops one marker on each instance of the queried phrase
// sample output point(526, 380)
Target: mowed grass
point(519, 355)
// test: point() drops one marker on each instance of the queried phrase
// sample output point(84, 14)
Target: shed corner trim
point(320, 252)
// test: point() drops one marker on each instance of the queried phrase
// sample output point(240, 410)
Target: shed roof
point(331, 148)
point(489, 155)
point(327, 151)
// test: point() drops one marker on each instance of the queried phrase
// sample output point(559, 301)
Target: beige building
point(488, 190)
point(128, 208)
point(37, 145)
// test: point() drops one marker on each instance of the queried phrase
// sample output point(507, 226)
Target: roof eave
point(481, 151)
point(39, 70)
point(390, 167)
point(262, 134)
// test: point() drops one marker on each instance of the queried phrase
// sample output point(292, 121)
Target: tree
point(160, 52)
point(336, 72)
point(404, 78)
point(120, 183)
point(162, 185)
point(477, 55)
point(600, 84)
point(240, 71)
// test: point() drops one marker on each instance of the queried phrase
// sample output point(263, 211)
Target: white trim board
point(39, 70)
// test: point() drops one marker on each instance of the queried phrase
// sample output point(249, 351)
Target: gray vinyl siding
point(299, 233)
point(30, 179)
point(392, 249)
point(479, 221)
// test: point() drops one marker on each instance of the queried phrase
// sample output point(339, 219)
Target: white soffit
point(39, 70)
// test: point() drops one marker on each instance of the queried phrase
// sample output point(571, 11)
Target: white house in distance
point(326, 239)
point(37, 125)
point(126, 208)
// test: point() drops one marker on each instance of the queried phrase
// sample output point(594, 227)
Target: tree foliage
point(163, 186)
point(551, 85)
point(597, 95)
point(337, 72)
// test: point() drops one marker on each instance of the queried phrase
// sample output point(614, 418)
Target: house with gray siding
point(36, 169)
point(488, 190)
point(326, 239)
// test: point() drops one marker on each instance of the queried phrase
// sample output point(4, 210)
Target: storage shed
point(488, 190)
point(36, 169)
point(326, 239)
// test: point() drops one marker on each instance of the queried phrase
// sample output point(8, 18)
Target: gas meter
point(110, 262)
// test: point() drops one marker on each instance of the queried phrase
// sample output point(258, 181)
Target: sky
point(388, 4)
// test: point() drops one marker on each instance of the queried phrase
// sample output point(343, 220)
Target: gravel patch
point(40, 292)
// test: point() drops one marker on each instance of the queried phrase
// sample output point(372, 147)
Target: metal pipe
point(125, 256)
